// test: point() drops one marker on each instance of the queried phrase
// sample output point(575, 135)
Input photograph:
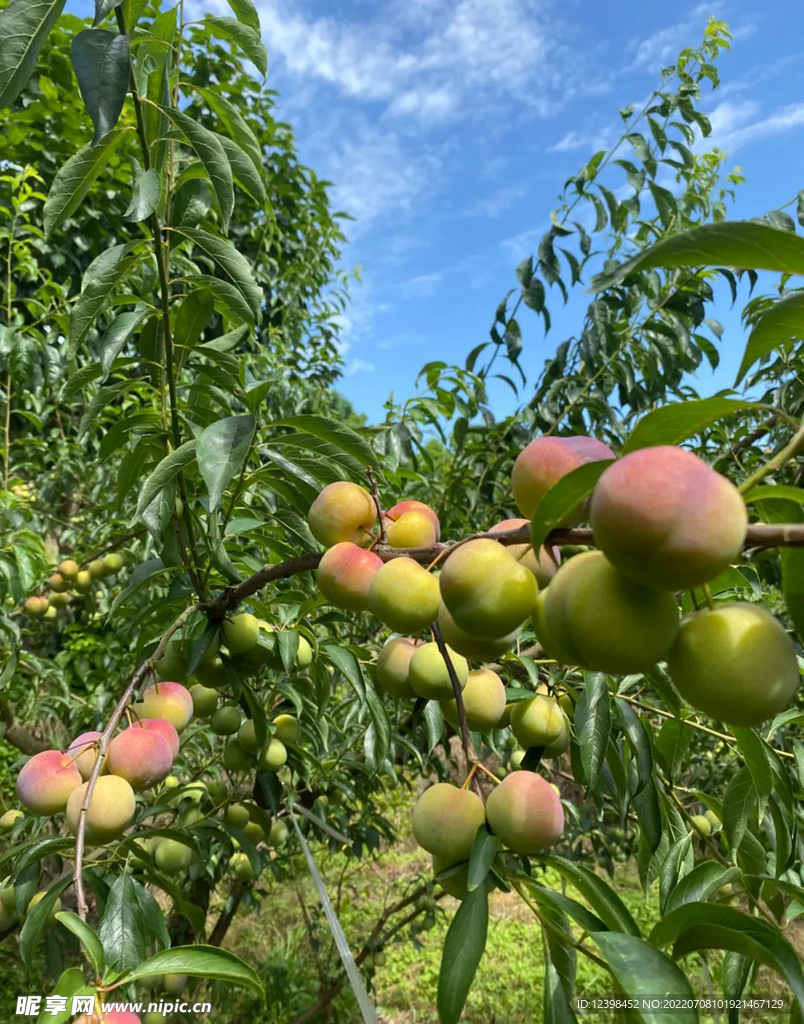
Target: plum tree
point(205, 700)
point(84, 750)
point(446, 820)
point(46, 781)
point(593, 616)
point(483, 701)
point(544, 462)
point(241, 632)
point(428, 675)
point(473, 647)
point(543, 565)
point(486, 590)
point(404, 595)
point(167, 700)
point(540, 722)
point(173, 856)
point(345, 574)
point(735, 663)
point(525, 812)
point(393, 665)
point(288, 730)
point(140, 756)
point(666, 519)
point(343, 511)
point(110, 812)
point(272, 756)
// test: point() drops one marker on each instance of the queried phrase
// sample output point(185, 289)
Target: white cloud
point(735, 124)
point(519, 246)
point(420, 287)
point(575, 139)
point(494, 205)
point(663, 46)
point(359, 366)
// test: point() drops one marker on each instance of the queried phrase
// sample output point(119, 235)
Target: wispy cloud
point(422, 286)
point(358, 366)
point(495, 204)
point(735, 124)
point(579, 139)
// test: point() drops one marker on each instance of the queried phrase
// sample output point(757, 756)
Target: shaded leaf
point(222, 450)
point(463, 948)
point(24, 27)
point(102, 64)
point(75, 178)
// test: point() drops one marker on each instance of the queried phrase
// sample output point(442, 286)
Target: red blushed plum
point(404, 507)
point(343, 511)
point(163, 728)
point(446, 820)
point(45, 782)
point(110, 811)
point(525, 812)
point(543, 566)
point(666, 519)
point(170, 701)
point(345, 574)
point(140, 756)
point(84, 752)
point(544, 462)
point(112, 1017)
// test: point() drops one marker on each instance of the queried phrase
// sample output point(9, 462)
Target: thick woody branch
point(20, 736)
point(760, 535)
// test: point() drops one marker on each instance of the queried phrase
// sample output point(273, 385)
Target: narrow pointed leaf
point(680, 421)
point(199, 962)
point(463, 948)
point(642, 970)
point(75, 178)
point(144, 195)
point(563, 497)
point(222, 450)
point(24, 27)
point(212, 155)
point(102, 64)
point(783, 322)
point(245, 37)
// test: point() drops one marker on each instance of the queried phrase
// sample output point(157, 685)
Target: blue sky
point(448, 126)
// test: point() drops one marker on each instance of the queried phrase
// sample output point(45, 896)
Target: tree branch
point(20, 736)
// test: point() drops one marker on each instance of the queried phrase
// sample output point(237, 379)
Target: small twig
point(792, 447)
point(457, 693)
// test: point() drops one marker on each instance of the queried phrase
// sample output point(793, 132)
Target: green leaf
point(739, 803)
point(696, 926)
point(702, 882)
point(639, 741)
point(243, 172)
point(192, 318)
point(563, 498)
point(745, 245)
point(234, 265)
point(167, 470)
point(102, 64)
point(246, 12)
point(117, 335)
point(755, 754)
point(100, 278)
point(601, 897)
point(247, 38)
point(71, 983)
point(783, 322)
point(75, 178)
point(235, 124)
point(145, 193)
point(679, 421)
point(792, 559)
point(120, 929)
point(676, 865)
point(36, 920)
point(199, 962)
point(102, 8)
point(24, 27)
point(191, 203)
point(484, 850)
point(222, 450)
point(212, 155)
point(593, 725)
point(86, 936)
point(642, 970)
point(382, 727)
point(335, 433)
point(463, 948)
point(775, 492)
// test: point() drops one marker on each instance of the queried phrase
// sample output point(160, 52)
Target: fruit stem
point(376, 495)
point(491, 775)
point(708, 595)
point(456, 690)
point(471, 775)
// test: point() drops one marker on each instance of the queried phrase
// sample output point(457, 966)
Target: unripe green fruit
point(278, 834)
point(472, 647)
point(69, 569)
point(8, 899)
point(9, 819)
point(516, 759)
point(217, 790)
point(525, 812)
point(710, 816)
point(735, 663)
point(241, 867)
point(173, 663)
point(174, 983)
point(205, 700)
point(287, 729)
point(446, 820)
point(171, 782)
point(254, 831)
point(210, 672)
point(304, 654)
point(379, 958)
point(171, 856)
point(51, 614)
point(7, 919)
point(235, 758)
point(428, 674)
point(701, 824)
point(393, 664)
point(455, 884)
point(225, 721)
point(540, 722)
point(247, 736)
point(593, 616)
point(83, 582)
point(274, 754)
point(58, 584)
point(483, 701)
point(237, 816)
point(404, 595)
point(190, 816)
point(59, 599)
point(97, 569)
point(486, 591)
point(113, 563)
point(241, 632)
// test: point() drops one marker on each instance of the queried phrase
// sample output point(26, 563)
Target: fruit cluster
point(70, 576)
